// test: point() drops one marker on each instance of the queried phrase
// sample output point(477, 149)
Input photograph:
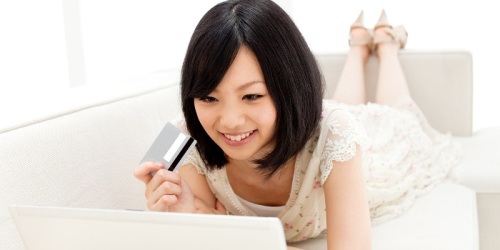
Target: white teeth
point(238, 137)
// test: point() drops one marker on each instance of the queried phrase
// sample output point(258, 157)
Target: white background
point(124, 39)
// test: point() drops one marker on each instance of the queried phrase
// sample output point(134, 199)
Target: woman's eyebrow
point(248, 84)
point(243, 86)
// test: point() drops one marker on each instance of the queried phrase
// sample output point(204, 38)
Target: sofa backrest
point(440, 82)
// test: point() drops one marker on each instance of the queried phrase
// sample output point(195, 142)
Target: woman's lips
point(238, 139)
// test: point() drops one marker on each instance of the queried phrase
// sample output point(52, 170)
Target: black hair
point(290, 70)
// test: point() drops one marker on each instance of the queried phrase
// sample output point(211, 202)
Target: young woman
point(269, 145)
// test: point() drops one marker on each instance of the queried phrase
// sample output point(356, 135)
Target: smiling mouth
point(238, 137)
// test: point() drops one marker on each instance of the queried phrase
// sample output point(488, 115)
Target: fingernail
point(159, 164)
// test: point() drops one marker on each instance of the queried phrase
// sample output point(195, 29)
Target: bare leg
point(351, 86)
point(391, 82)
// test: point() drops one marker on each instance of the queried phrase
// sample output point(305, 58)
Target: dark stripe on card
point(181, 154)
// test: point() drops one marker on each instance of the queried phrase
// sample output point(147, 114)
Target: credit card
point(170, 147)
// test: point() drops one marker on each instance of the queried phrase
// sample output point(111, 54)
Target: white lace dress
point(403, 159)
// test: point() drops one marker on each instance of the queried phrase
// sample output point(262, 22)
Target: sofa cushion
point(445, 218)
point(480, 167)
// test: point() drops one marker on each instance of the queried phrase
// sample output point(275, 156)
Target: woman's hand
point(165, 190)
point(203, 208)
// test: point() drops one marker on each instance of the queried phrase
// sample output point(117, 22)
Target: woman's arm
point(205, 201)
point(347, 212)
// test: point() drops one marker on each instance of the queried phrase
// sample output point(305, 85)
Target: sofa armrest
point(81, 153)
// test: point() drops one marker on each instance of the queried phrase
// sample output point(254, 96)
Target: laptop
point(84, 228)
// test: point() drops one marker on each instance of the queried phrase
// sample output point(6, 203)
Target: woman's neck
point(250, 183)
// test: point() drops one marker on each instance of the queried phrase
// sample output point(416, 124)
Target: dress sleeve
point(342, 132)
point(193, 157)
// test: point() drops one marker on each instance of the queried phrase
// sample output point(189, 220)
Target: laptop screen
point(84, 228)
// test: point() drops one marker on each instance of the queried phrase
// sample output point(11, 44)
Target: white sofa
point(80, 150)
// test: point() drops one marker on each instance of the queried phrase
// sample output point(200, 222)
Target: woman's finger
point(166, 188)
point(164, 203)
point(144, 170)
point(159, 178)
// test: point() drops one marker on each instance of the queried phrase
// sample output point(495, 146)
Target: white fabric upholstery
point(82, 151)
point(82, 157)
point(440, 82)
point(480, 167)
point(446, 218)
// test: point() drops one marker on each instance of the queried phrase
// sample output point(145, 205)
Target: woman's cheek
point(268, 113)
point(204, 117)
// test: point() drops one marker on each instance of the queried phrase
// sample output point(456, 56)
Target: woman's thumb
point(219, 207)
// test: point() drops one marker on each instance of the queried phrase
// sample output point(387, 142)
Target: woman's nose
point(232, 117)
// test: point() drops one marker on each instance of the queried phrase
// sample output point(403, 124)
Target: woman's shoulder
point(335, 114)
point(340, 131)
point(336, 123)
point(337, 137)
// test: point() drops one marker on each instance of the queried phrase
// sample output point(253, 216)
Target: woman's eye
point(252, 97)
point(207, 99)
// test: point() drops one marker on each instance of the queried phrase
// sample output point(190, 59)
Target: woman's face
point(239, 115)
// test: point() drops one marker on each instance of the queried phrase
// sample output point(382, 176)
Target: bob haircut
point(290, 70)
